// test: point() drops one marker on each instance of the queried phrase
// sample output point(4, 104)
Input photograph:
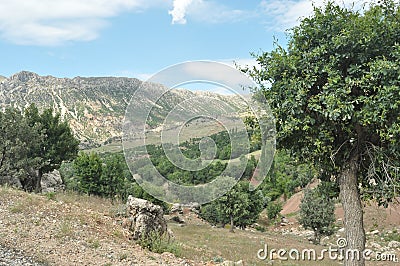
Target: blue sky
point(137, 38)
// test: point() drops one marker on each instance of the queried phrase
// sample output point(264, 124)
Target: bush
point(211, 213)
point(273, 209)
point(317, 212)
point(260, 228)
point(159, 243)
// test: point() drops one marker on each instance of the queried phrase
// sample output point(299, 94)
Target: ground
point(68, 229)
point(71, 229)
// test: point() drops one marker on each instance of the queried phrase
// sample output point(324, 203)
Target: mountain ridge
point(93, 106)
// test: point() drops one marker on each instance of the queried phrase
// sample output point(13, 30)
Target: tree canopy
point(33, 143)
point(335, 94)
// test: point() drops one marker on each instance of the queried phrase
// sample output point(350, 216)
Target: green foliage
point(112, 178)
point(89, 169)
point(212, 213)
point(190, 149)
point(159, 243)
point(335, 93)
point(273, 210)
point(17, 142)
point(286, 174)
point(105, 177)
point(239, 206)
point(51, 196)
point(317, 212)
point(59, 144)
point(33, 143)
point(260, 228)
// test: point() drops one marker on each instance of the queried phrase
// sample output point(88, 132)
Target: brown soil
point(71, 230)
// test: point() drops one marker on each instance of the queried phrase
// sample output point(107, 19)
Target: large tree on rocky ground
point(57, 145)
point(335, 93)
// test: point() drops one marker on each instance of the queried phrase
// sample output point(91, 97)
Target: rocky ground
point(68, 230)
point(13, 257)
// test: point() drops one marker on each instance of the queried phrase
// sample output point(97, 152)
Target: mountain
point(94, 106)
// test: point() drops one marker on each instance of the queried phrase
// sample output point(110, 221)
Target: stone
point(52, 182)
point(177, 219)
point(176, 208)
point(394, 244)
point(375, 245)
point(239, 263)
point(194, 207)
point(324, 241)
point(144, 218)
point(375, 232)
point(284, 221)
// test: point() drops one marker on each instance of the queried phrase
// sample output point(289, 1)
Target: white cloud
point(205, 11)
point(179, 10)
point(52, 22)
point(214, 12)
point(285, 14)
point(132, 74)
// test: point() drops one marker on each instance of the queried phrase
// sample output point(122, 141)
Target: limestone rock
point(394, 244)
point(144, 217)
point(176, 208)
point(52, 182)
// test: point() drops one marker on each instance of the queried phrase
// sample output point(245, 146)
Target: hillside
point(93, 106)
point(70, 229)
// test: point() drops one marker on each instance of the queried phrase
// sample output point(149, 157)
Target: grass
point(24, 205)
point(123, 256)
point(207, 129)
point(93, 243)
point(65, 230)
point(159, 243)
point(202, 242)
point(69, 217)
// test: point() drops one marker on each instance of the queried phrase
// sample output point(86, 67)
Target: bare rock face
point(52, 182)
point(144, 217)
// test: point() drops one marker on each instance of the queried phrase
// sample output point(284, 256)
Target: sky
point(137, 38)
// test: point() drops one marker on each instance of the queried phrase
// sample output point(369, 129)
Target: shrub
point(273, 209)
point(159, 243)
point(317, 212)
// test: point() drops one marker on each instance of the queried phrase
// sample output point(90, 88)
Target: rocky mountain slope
point(94, 107)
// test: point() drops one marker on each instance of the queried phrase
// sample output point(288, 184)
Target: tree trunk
point(317, 237)
point(353, 212)
point(231, 229)
point(38, 181)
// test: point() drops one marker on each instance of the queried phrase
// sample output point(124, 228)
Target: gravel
point(14, 257)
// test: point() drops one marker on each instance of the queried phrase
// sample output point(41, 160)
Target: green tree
point(335, 95)
point(18, 140)
point(239, 207)
point(89, 169)
point(235, 203)
point(212, 213)
point(317, 212)
point(112, 178)
point(57, 145)
point(273, 210)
